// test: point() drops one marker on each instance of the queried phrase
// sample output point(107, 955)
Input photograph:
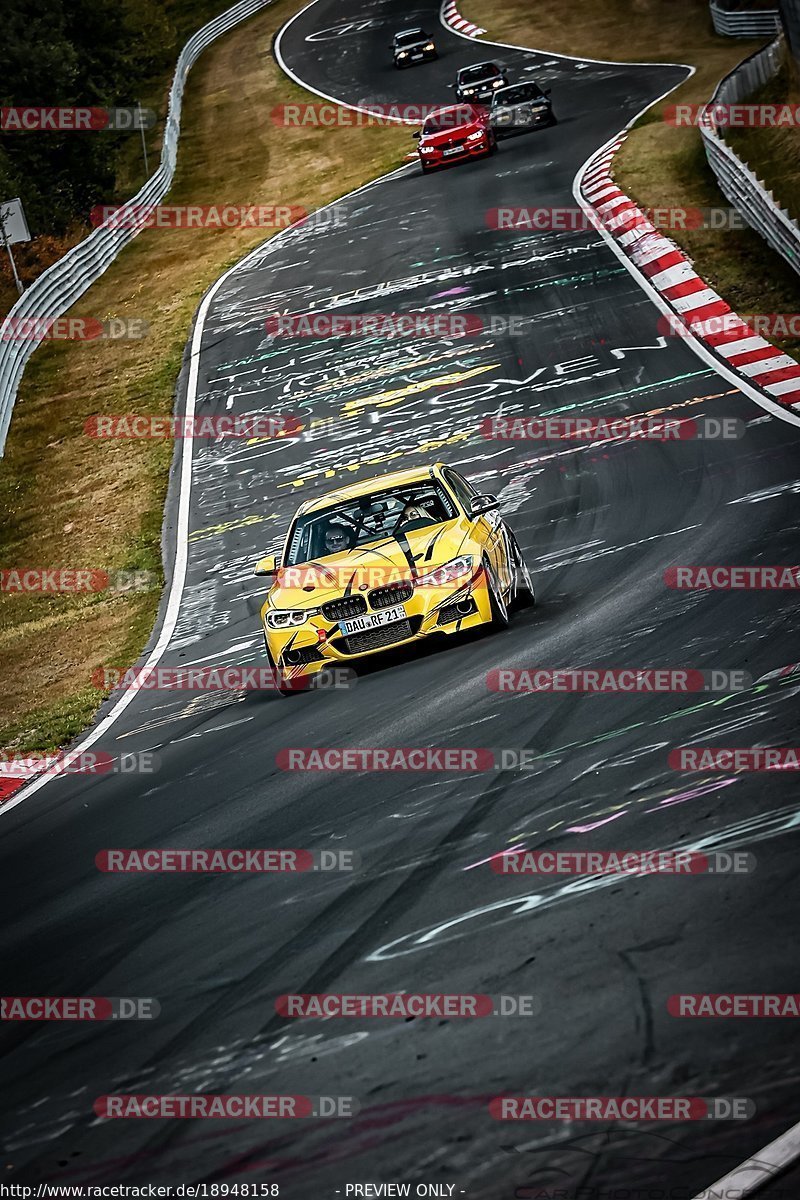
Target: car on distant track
point(454, 133)
point(519, 107)
point(385, 563)
point(479, 82)
point(412, 45)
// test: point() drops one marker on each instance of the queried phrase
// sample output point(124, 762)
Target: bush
point(97, 53)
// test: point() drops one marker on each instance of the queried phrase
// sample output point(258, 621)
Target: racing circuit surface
point(425, 913)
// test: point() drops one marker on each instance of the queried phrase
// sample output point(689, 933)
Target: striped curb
point(451, 16)
point(11, 781)
point(695, 306)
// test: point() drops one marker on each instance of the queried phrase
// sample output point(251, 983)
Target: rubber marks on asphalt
point(452, 17)
point(696, 307)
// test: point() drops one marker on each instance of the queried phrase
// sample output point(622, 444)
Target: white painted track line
point(757, 1171)
point(182, 534)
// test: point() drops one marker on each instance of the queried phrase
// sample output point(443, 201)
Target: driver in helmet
point(337, 538)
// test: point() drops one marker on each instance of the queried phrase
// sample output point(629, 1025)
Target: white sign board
point(13, 226)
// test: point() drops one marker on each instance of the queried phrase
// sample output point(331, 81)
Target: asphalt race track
point(425, 913)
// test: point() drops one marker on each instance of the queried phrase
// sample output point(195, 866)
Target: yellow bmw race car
point(384, 563)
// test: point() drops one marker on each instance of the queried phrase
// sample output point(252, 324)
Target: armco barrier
point(736, 181)
point(57, 288)
point(732, 21)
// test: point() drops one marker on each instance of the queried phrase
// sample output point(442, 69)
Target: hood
point(359, 571)
point(456, 134)
point(501, 105)
point(412, 45)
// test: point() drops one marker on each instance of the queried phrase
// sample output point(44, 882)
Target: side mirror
point(483, 504)
point(268, 565)
point(451, 85)
point(418, 134)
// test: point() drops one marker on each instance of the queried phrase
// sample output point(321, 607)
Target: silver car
point(519, 107)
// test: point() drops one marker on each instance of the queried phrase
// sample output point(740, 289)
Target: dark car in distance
point(411, 46)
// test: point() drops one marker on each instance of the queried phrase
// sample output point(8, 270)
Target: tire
point(524, 594)
point(497, 605)
point(492, 147)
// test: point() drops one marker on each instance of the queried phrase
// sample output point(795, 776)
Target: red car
point(454, 133)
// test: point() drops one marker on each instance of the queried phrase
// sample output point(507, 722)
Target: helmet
point(336, 537)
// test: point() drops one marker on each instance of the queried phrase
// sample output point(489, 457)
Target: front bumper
point(304, 650)
point(518, 122)
point(481, 97)
point(469, 150)
point(415, 56)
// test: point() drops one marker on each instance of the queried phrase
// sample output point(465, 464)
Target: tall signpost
point(13, 229)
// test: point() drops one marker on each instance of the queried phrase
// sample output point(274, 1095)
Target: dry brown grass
point(627, 30)
point(774, 154)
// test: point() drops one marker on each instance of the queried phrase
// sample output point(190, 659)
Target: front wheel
point(497, 605)
point(524, 595)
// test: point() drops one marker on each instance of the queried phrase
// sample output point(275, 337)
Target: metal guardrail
point(740, 186)
point(733, 21)
point(57, 288)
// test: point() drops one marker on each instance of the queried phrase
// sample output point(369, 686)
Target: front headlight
point(452, 571)
point(403, 54)
point(288, 618)
point(427, 149)
point(468, 91)
point(430, 46)
point(476, 136)
point(497, 83)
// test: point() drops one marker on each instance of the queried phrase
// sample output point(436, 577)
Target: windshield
point(448, 118)
point(518, 95)
point(368, 519)
point(474, 74)
point(411, 35)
